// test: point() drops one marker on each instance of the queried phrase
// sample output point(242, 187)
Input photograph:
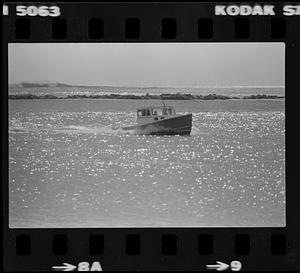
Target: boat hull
point(178, 125)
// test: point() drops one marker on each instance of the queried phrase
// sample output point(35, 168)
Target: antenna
point(162, 100)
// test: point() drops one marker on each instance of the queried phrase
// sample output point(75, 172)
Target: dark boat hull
point(179, 125)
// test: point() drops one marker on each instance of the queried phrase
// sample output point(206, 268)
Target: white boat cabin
point(152, 114)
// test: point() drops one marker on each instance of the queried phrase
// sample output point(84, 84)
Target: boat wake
point(98, 130)
point(19, 130)
point(72, 129)
point(145, 131)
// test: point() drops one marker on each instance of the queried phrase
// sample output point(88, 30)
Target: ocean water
point(70, 165)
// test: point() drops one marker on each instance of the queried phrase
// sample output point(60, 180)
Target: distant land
point(177, 96)
point(183, 95)
point(33, 84)
point(58, 84)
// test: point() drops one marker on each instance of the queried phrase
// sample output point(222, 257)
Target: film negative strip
point(150, 136)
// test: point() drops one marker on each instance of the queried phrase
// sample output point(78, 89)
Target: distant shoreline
point(177, 96)
point(67, 85)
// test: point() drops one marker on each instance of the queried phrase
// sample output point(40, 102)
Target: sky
point(149, 64)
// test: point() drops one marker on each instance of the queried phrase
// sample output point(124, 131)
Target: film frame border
point(268, 248)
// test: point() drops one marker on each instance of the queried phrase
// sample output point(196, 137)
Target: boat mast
point(162, 100)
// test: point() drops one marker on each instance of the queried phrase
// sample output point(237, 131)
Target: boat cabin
point(152, 114)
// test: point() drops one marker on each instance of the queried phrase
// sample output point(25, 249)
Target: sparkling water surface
point(70, 165)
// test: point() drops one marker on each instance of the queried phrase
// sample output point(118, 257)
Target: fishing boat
point(161, 121)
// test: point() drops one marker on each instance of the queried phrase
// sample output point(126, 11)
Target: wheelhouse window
point(157, 112)
point(160, 111)
point(139, 113)
point(169, 111)
point(143, 113)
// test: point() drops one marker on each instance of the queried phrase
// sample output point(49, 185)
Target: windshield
point(159, 111)
point(143, 113)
